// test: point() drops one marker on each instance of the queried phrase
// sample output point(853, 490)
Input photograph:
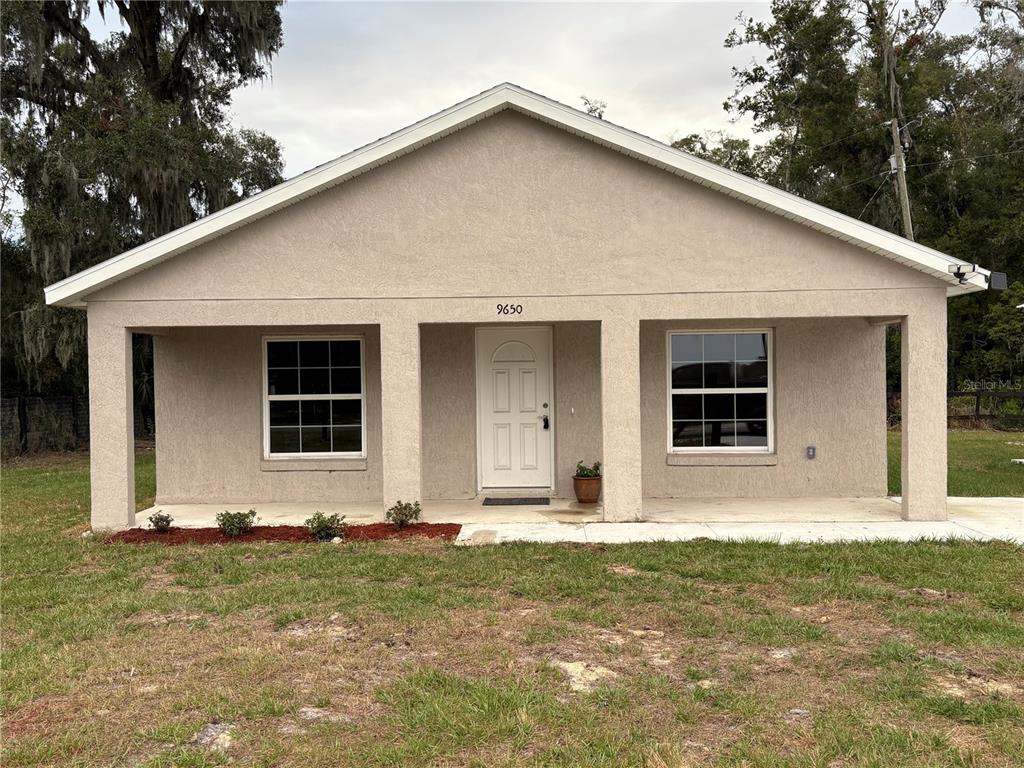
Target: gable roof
point(72, 290)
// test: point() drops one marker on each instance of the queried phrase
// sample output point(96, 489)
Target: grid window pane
point(316, 439)
point(316, 413)
point(284, 440)
point(315, 381)
point(718, 375)
point(753, 374)
point(686, 407)
point(687, 434)
point(720, 391)
point(752, 406)
point(345, 353)
point(687, 348)
point(345, 381)
point(314, 354)
point(347, 439)
point(283, 381)
point(719, 347)
point(284, 413)
point(753, 434)
point(346, 412)
point(687, 375)
point(751, 346)
point(302, 376)
point(282, 354)
point(719, 433)
point(719, 406)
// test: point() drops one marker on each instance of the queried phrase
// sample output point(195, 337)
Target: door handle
point(546, 422)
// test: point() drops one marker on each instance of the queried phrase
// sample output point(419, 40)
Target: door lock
point(546, 422)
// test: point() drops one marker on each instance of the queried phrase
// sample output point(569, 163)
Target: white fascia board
point(754, 192)
point(70, 291)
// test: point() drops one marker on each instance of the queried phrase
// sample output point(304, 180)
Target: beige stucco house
point(476, 302)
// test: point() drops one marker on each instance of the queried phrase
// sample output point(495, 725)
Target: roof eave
point(72, 290)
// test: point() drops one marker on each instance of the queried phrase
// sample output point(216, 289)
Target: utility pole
point(901, 179)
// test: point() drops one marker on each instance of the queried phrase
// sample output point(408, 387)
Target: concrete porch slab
point(999, 527)
point(360, 512)
point(780, 520)
point(809, 509)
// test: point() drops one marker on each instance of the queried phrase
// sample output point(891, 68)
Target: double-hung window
point(720, 396)
point(314, 403)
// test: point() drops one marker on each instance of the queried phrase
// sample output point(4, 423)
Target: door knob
point(547, 423)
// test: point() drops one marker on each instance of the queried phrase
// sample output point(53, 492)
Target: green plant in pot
point(587, 482)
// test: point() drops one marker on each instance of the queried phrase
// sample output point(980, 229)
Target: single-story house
point(472, 304)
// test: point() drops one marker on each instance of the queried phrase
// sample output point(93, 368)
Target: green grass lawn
point(424, 654)
point(979, 463)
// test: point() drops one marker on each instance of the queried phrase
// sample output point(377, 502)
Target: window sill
point(722, 459)
point(313, 465)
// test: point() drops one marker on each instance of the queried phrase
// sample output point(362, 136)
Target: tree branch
point(196, 24)
point(60, 15)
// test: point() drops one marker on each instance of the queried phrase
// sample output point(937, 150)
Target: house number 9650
point(510, 309)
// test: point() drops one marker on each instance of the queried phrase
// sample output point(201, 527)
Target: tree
point(835, 73)
point(111, 142)
point(594, 107)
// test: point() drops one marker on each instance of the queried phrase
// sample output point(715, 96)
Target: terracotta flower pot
point(587, 489)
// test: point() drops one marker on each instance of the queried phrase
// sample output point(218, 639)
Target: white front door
point(514, 413)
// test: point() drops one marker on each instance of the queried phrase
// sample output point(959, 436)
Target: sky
point(350, 73)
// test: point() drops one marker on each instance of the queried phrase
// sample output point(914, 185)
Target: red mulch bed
point(371, 532)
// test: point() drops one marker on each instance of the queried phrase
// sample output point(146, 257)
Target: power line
point(884, 124)
point(860, 181)
point(965, 159)
point(872, 198)
point(919, 165)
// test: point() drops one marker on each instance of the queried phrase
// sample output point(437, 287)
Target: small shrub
point(582, 470)
point(234, 524)
point(401, 514)
point(161, 521)
point(326, 527)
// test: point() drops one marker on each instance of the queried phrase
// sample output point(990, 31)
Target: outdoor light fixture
point(996, 280)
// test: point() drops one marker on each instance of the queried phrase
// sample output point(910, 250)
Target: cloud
point(351, 73)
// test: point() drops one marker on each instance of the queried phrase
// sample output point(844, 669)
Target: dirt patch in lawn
point(37, 717)
point(972, 685)
point(286, 533)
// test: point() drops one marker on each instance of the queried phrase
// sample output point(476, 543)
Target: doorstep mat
point(519, 501)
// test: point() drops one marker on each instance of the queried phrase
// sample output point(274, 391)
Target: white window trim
point(361, 454)
point(769, 390)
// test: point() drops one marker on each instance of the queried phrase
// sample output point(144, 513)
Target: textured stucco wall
point(447, 357)
point(209, 416)
point(577, 400)
point(449, 406)
point(923, 382)
point(209, 423)
point(511, 206)
point(829, 392)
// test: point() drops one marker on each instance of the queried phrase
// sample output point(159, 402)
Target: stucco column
point(923, 398)
point(111, 426)
point(400, 408)
point(620, 417)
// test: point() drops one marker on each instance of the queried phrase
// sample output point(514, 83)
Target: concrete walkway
point(979, 519)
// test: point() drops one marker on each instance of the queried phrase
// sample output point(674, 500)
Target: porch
point(231, 419)
point(782, 520)
point(472, 511)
